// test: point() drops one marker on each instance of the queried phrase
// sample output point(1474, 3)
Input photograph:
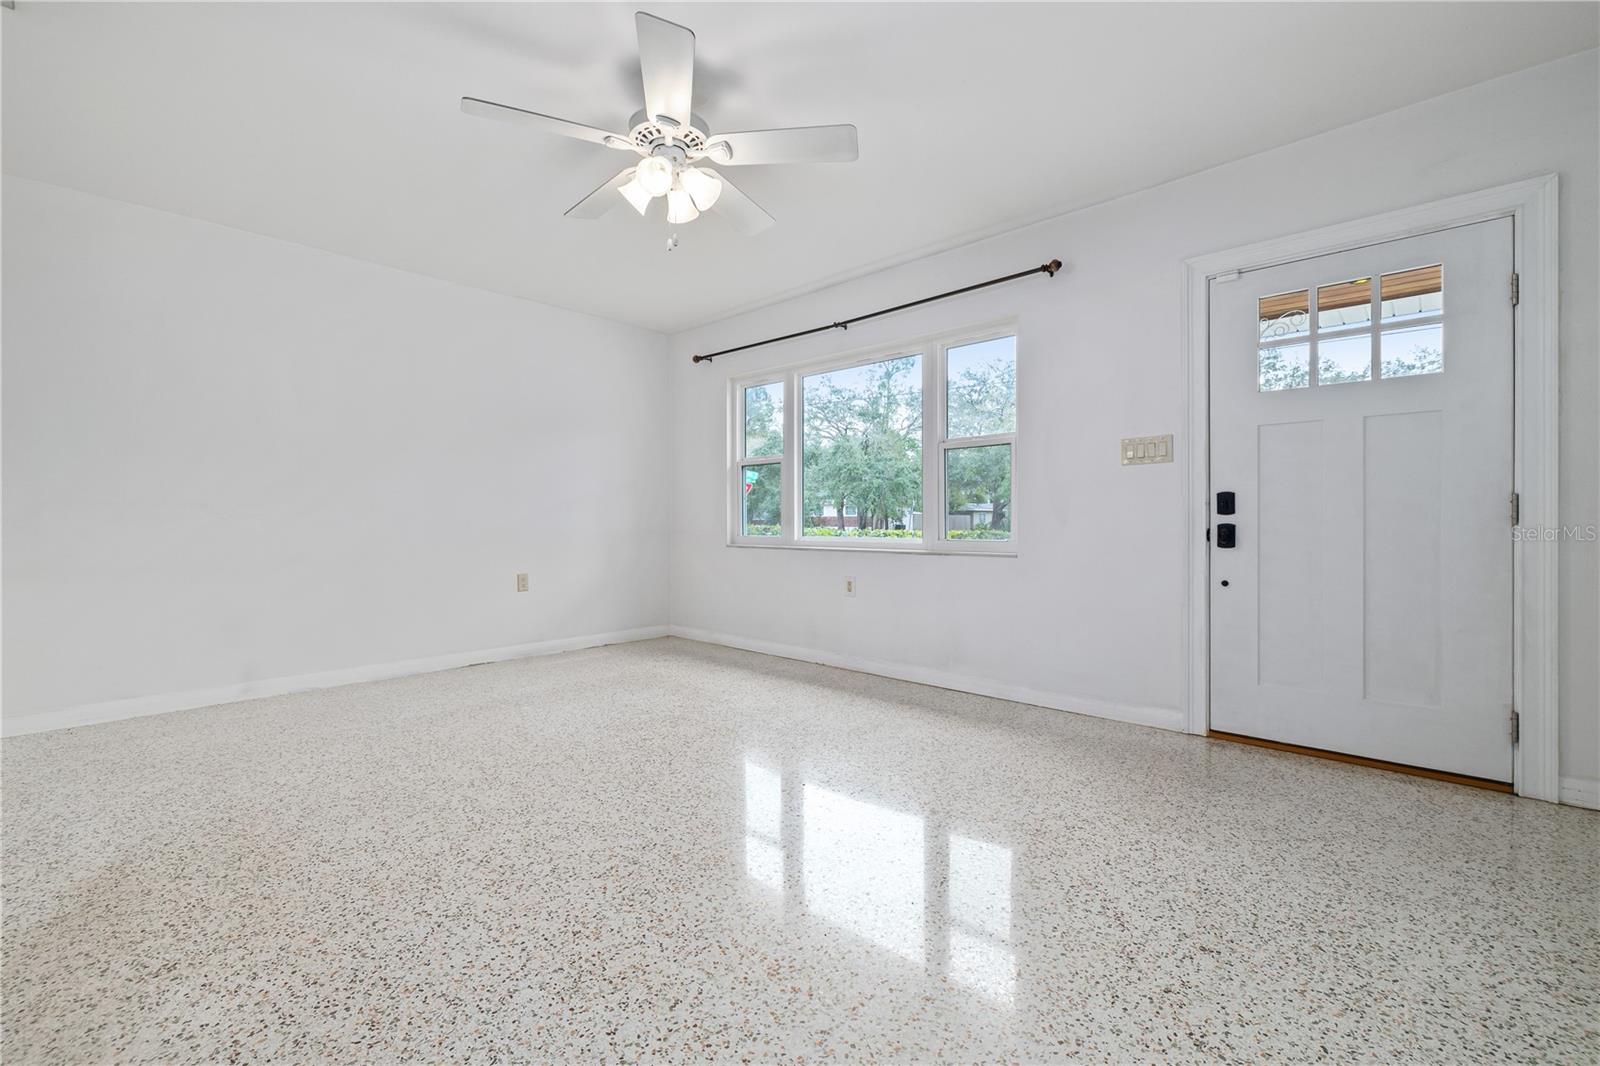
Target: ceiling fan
point(675, 144)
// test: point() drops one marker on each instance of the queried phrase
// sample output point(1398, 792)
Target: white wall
point(229, 459)
point(1090, 613)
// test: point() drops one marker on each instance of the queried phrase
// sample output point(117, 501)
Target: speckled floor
point(672, 851)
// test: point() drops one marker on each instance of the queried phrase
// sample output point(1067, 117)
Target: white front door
point(1361, 417)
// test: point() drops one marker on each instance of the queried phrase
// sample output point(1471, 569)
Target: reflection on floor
point(676, 852)
point(914, 888)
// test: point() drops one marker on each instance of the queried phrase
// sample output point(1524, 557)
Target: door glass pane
point(861, 472)
point(763, 420)
point(1349, 303)
point(1341, 359)
point(981, 388)
point(977, 485)
point(1284, 366)
point(763, 495)
point(1413, 350)
point(1414, 293)
point(1285, 315)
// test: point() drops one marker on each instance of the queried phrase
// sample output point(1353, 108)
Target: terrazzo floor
point(670, 851)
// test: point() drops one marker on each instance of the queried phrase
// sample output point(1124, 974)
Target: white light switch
point(1137, 451)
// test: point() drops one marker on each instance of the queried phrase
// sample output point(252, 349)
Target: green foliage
point(979, 534)
point(1278, 373)
point(983, 399)
point(977, 478)
point(763, 420)
point(763, 496)
point(854, 534)
point(1427, 361)
point(863, 442)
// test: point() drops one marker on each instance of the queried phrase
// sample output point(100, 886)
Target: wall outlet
point(522, 582)
point(849, 586)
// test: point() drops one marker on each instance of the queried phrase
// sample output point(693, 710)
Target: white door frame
point(1531, 205)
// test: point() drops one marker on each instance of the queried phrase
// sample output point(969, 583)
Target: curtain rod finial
point(1052, 266)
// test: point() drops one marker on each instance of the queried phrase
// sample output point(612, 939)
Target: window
point(1338, 345)
point(1411, 337)
point(980, 422)
point(761, 460)
point(912, 448)
point(861, 469)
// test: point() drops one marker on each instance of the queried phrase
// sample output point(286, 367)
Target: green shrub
point(979, 534)
point(834, 531)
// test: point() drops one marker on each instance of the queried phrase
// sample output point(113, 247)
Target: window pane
point(1285, 366)
point(763, 493)
point(1349, 303)
point(861, 472)
point(977, 485)
point(1344, 359)
point(1285, 315)
point(981, 388)
point(763, 420)
point(1415, 350)
point(1412, 293)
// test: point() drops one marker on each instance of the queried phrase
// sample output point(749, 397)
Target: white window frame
point(933, 351)
point(741, 462)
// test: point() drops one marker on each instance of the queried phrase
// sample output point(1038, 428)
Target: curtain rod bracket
point(1048, 269)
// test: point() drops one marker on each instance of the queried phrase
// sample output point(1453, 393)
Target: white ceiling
point(337, 126)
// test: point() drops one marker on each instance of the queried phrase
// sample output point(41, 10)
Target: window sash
point(935, 444)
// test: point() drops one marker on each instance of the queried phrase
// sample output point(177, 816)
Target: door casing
point(1531, 205)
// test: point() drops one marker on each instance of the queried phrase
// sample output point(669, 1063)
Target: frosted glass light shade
point(634, 193)
point(703, 187)
point(654, 175)
point(680, 206)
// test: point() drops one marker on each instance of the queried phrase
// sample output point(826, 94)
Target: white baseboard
point(138, 707)
point(1581, 792)
point(1159, 717)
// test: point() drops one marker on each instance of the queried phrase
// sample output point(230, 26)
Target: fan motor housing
point(658, 138)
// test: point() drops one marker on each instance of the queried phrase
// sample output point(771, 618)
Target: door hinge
point(1516, 726)
point(1516, 509)
point(1516, 288)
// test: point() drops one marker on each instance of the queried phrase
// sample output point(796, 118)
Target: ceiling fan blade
point(803, 144)
point(666, 58)
point(506, 113)
point(602, 199)
point(745, 214)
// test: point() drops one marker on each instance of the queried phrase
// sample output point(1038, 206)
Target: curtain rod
point(1049, 268)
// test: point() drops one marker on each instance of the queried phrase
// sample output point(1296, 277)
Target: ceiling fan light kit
point(674, 143)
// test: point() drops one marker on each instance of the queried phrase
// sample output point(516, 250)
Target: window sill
point(971, 553)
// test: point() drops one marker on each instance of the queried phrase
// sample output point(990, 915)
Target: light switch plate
point(1139, 451)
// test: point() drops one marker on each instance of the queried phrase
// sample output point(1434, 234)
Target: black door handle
point(1225, 535)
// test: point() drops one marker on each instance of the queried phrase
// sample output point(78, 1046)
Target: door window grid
point(1325, 335)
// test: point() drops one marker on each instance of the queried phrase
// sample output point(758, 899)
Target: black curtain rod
point(1048, 268)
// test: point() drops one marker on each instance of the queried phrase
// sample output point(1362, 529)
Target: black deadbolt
point(1224, 503)
point(1225, 534)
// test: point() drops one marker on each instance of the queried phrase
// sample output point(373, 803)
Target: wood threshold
point(1361, 760)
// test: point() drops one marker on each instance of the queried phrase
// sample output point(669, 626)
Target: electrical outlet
point(849, 586)
point(522, 582)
